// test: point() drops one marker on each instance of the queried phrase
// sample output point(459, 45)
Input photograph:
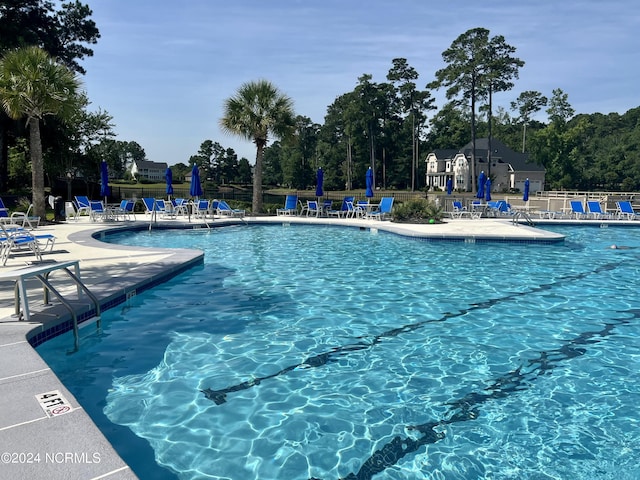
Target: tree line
point(387, 125)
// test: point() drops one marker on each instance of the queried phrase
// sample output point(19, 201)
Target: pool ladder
point(48, 287)
point(525, 216)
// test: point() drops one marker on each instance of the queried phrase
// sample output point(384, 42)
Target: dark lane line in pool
point(467, 408)
point(220, 396)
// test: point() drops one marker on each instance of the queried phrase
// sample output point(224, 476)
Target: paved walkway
point(61, 442)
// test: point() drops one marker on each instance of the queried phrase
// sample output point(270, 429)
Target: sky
point(163, 69)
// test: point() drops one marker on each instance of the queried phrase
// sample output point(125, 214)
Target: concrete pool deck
point(63, 442)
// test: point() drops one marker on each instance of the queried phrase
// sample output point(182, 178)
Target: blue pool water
point(327, 353)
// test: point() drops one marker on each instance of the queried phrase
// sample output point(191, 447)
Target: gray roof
point(518, 161)
point(445, 153)
point(149, 165)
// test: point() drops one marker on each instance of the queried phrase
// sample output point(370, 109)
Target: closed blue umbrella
point(481, 181)
point(196, 189)
point(449, 186)
point(487, 187)
point(369, 191)
point(525, 197)
point(104, 181)
point(319, 182)
point(168, 176)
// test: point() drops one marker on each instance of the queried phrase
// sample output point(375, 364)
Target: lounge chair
point(346, 208)
point(577, 209)
point(596, 212)
point(166, 208)
point(290, 206)
point(15, 239)
point(222, 208)
point(11, 243)
point(4, 212)
point(83, 205)
point(504, 208)
point(25, 218)
point(150, 205)
point(383, 210)
point(625, 210)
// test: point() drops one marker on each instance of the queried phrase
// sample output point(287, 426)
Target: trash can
point(58, 210)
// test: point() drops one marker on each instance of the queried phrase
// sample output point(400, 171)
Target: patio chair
point(222, 208)
point(290, 206)
point(83, 205)
point(459, 210)
point(303, 208)
point(595, 211)
point(383, 210)
point(97, 210)
point(181, 206)
point(360, 208)
point(201, 209)
point(625, 210)
point(124, 210)
point(312, 208)
point(577, 209)
point(346, 210)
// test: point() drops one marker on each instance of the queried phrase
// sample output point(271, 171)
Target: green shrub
point(418, 210)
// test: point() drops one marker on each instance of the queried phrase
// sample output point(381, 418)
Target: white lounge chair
point(596, 212)
point(14, 238)
point(222, 208)
point(25, 218)
point(577, 209)
point(625, 210)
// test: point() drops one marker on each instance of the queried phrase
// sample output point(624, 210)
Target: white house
point(508, 169)
point(146, 169)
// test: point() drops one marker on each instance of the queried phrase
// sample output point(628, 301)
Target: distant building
point(148, 170)
point(508, 169)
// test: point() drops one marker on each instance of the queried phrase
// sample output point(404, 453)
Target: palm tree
point(257, 111)
point(32, 85)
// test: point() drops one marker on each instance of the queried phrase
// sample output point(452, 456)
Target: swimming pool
point(320, 352)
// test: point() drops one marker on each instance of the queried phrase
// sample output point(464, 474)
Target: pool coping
point(114, 272)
